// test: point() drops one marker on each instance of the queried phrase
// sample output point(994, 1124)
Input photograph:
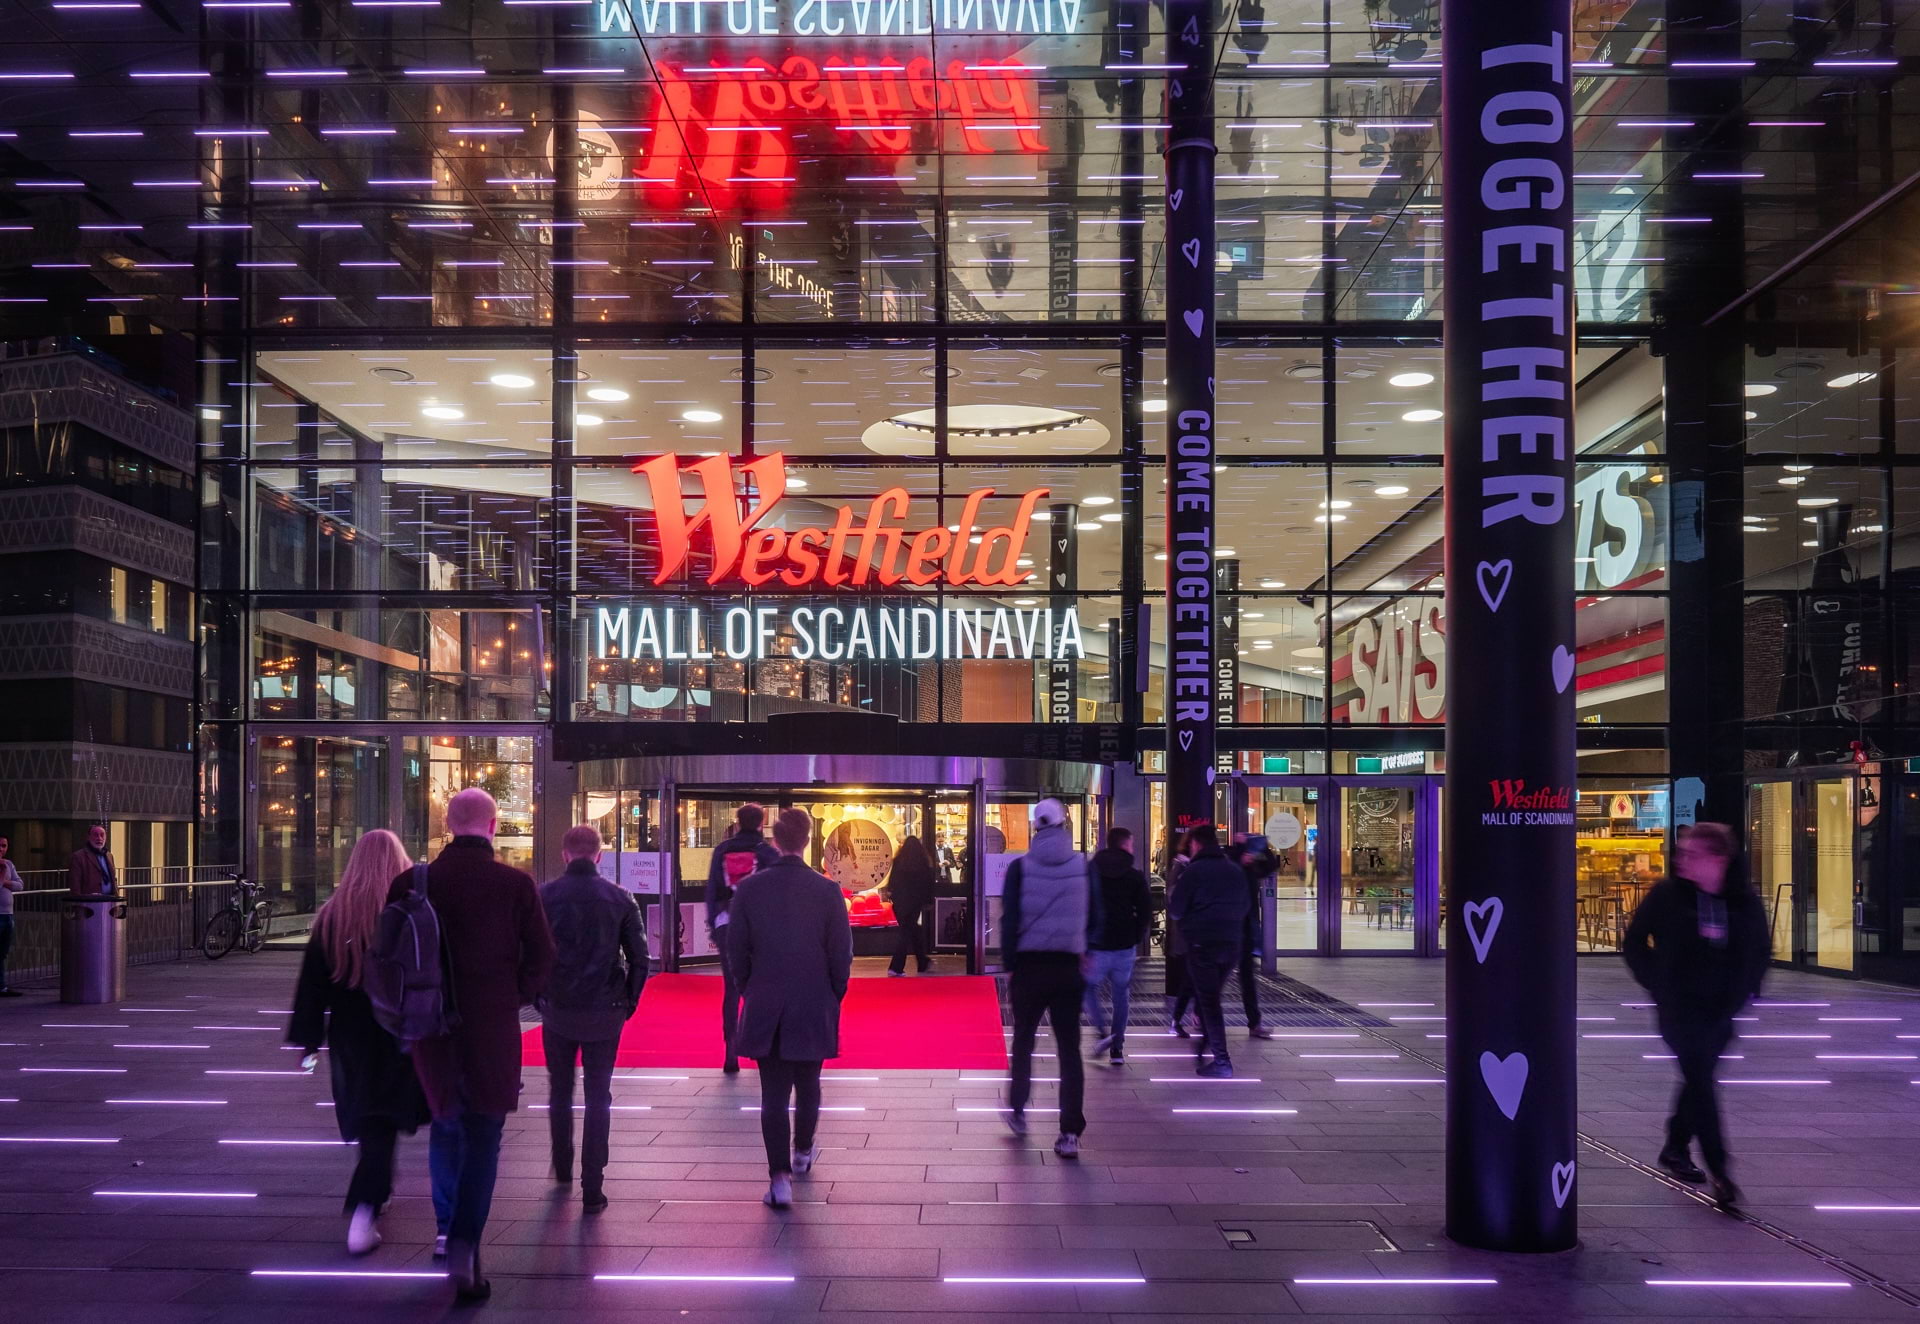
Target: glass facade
point(454, 275)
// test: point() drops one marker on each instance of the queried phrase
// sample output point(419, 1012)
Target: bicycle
point(246, 918)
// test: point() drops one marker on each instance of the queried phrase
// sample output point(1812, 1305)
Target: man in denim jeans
point(1126, 911)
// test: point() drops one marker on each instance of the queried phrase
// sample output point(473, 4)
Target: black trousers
point(372, 1181)
point(1049, 984)
point(6, 946)
point(1697, 1043)
point(912, 937)
point(1209, 964)
point(596, 1059)
point(729, 989)
point(1249, 986)
point(784, 1080)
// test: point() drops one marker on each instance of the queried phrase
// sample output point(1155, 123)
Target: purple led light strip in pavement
point(692, 1278)
point(1040, 1281)
point(344, 1273)
point(187, 1195)
point(1743, 1282)
point(1868, 1208)
point(1396, 1282)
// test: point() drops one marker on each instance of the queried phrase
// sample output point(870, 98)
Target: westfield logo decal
point(855, 551)
point(1515, 804)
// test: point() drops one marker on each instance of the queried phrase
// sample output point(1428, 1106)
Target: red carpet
point(931, 1022)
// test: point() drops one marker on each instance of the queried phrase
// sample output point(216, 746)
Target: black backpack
point(406, 972)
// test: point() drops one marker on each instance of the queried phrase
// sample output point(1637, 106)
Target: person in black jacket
point(599, 967)
point(1698, 944)
point(1126, 911)
point(1210, 906)
point(910, 890)
point(1256, 859)
point(743, 852)
point(376, 1094)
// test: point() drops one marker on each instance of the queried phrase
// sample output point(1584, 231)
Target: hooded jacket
point(1210, 904)
point(1699, 955)
point(1126, 906)
point(719, 893)
point(1050, 902)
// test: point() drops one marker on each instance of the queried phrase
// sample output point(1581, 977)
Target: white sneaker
point(1067, 1146)
point(780, 1193)
point(804, 1159)
point(440, 1247)
point(362, 1235)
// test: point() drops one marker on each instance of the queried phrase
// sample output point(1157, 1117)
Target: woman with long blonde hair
point(375, 1092)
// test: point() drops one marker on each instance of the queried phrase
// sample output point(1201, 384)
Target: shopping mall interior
point(637, 410)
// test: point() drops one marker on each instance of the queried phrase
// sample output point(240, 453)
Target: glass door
point(1829, 902)
point(1382, 893)
point(1287, 813)
point(1804, 839)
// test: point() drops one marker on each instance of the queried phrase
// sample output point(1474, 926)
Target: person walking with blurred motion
point(1050, 908)
point(499, 953)
point(742, 852)
point(599, 966)
point(1210, 908)
point(1699, 945)
point(910, 890)
point(1257, 861)
point(793, 950)
point(9, 884)
point(376, 1096)
point(1179, 981)
point(1126, 912)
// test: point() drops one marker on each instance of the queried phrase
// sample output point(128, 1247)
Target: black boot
point(463, 1266)
point(1680, 1165)
point(562, 1172)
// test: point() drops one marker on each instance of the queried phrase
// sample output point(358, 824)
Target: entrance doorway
point(1811, 837)
point(1359, 862)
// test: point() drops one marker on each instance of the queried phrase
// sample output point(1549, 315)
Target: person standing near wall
point(1126, 911)
point(1179, 981)
point(1050, 907)
point(91, 870)
point(376, 1095)
point(1698, 944)
point(793, 950)
point(599, 967)
point(9, 884)
point(499, 953)
point(742, 852)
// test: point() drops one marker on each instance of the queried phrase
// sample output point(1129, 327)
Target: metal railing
point(167, 910)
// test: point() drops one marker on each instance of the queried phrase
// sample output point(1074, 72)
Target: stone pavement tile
point(921, 1236)
point(43, 1294)
point(1050, 1214)
point(1135, 1238)
point(805, 1262)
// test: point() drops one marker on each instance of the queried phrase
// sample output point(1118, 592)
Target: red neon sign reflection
point(726, 128)
point(887, 554)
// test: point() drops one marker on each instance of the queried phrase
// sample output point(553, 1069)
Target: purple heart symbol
point(1175, 198)
point(1562, 669)
point(1186, 740)
point(1191, 251)
point(1488, 912)
point(1196, 319)
point(1562, 1184)
point(1506, 1079)
point(1493, 578)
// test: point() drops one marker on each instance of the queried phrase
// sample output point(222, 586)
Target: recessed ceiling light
point(1024, 602)
point(443, 412)
point(1420, 415)
point(1393, 490)
point(1153, 406)
point(210, 412)
point(701, 415)
point(1329, 519)
point(1811, 542)
point(1755, 390)
point(1814, 503)
point(1088, 526)
point(511, 380)
point(1796, 468)
point(1410, 379)
point(1159, 556)
point(1225, 551)
point(1793, 480)
point(1750, 415)
point(1751, 519)
point(1272, 583)
point(1096, 501)
point(1846, 379)
point(1336, 504)
point(796, 484)
point(610, 394)
point(1111, 517)
point(587, 420)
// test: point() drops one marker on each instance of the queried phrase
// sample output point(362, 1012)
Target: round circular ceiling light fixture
point(1409, 380)
point(1754, 390)
point(1420, 416)
point(513, 381)
point(700, 415)
point(976, 430)
point(392, 374)
point(587, 420)
point(444, 413)
point(606, 394)
point(1390, 491)
point(1153, 406)
point(1846, 379)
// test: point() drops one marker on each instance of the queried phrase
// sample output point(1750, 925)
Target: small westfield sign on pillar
point(1508, 191)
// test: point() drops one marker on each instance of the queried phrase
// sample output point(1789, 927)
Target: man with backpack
point(743, 852)
point(498, 953)
point(600, 963)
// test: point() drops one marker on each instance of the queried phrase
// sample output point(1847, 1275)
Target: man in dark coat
point(499, 953)
point(1256, 859)
point(1210, 906)
point(91, 870)
point(909, 891)
point(1126, 912)
point(1698, 944)
point(793, 952)
point(741, 853)
point(599, 966)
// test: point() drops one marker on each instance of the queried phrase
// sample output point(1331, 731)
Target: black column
point(1063, 595)
point(1190, 331)
point(1509, 561)
point(1226, 661)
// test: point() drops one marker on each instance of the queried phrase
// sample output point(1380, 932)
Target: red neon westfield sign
point(855, 551)
point(728, 126)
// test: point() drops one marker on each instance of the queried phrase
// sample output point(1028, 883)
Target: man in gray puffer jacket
point(1050, 906)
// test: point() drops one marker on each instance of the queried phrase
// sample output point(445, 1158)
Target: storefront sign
point(836, 18)
point(837, 634)
point(1507, 162)
point(874, 549)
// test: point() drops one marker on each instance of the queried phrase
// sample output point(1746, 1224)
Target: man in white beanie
point(1050, 907)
